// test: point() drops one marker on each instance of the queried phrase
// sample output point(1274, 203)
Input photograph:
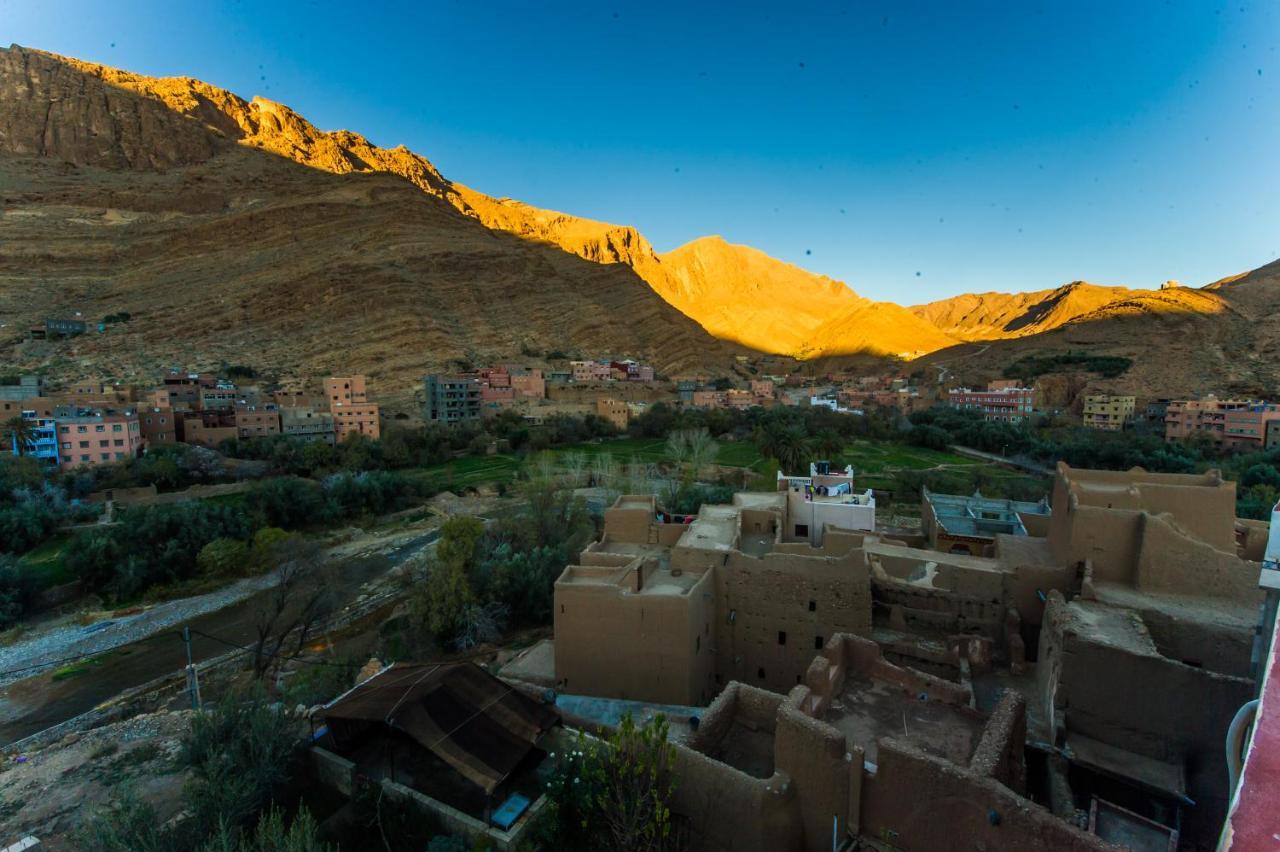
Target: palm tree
point(787, 445)
point(21, 432)
point(828, 445)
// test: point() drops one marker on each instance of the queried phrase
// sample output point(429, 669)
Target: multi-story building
point(221, 397)
point(451, 399)
point(206, 428)
point(97, 436)
point(1245, 429)
point(707, 399)
point(307, 425)
point(159, 427)
point(739, 398)
point(529, 384)
point(1208, 416)
point(40, 440)
point(998, 402)
point(349, 404)
point(591, 371)
point(1108, 413)
point(1273, 434)
point(825, 498)
point(763, 389)
point(26, 388)
point(685, 389)
point(254, 422)
point(615, 411)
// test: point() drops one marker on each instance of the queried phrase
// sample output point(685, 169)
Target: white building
point(825, 497)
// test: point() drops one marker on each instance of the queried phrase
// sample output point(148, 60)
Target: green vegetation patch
point(1030, 367)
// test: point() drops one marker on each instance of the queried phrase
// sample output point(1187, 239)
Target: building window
point(782, 637)
point(817, 643)
point(760, 673)
point(802, 530)
point(813, 606)
point(697, 644)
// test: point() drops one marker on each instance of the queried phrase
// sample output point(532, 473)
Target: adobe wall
point(1251, 539)
point(1035, 523)
point(764, 620)
point(1172, 562)
point(938, 611)
point(669, 534)
point(1024, 583)
point(1142, 702)
point(1001, 753)
point(627, 523)
point(1107, 537)
point(657, 642)
point(729, 810)
point(847, 655)
point(917, 801)
point(756, 708)
point(826, 772)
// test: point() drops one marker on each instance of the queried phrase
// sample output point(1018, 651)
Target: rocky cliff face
point(236, 232)
point(1000, 316)
point(171, 199)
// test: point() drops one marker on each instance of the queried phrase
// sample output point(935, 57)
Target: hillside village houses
point(95, 423)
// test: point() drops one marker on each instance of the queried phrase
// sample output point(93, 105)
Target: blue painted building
point(42, 441)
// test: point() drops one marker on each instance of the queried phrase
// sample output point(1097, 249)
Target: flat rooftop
point(716, 528)
point(662, 582)
point(869, 709)
point(982, 517)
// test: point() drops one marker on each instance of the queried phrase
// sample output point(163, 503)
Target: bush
point(241, 752)
point(224, 557)
point(17, 591)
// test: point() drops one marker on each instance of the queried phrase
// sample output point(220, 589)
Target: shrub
point(224, 557)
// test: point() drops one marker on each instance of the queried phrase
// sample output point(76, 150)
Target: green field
point(880, 456)
point(473, 471)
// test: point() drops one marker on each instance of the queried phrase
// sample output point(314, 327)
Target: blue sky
point(913, 150)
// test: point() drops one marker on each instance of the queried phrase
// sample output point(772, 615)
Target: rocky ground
point(50, 792)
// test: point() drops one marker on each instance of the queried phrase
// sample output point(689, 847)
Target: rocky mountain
point(999, 316)
point(234, 231)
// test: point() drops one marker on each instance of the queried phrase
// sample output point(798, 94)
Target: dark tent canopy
point(465, 716)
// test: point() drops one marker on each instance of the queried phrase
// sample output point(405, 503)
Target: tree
point(301, 597)
point(787, 444)
point(20, 432)
point(616, 794)
point(443, 599)
point(224, 557)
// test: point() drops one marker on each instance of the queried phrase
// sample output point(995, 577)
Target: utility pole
point(193, 678)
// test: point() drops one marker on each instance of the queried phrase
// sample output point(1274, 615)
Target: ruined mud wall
point(1001, 753)
point(847, 655)
point(728, 808)
point(1144, 703)
point(731, 811)
point(1172, 562)
point(918, 801)
point(826, 772)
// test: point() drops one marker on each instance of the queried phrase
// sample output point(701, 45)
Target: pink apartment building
point(97, 436)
